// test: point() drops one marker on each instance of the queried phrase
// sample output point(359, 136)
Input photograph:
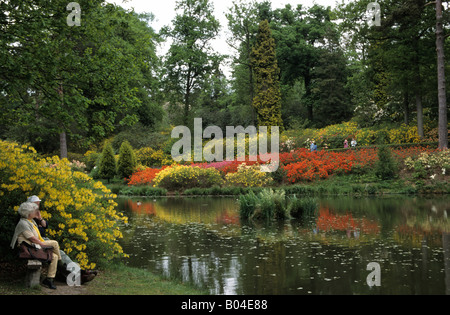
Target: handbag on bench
point(43, 254)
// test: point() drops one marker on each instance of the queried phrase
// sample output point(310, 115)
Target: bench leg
point(33, 276)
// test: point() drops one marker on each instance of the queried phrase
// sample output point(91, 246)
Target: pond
point(203, 241)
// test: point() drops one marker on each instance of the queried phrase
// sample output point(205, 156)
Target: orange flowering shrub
point(304, 165)
point(145, 176)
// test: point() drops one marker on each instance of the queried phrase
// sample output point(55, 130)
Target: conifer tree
point(386, 168)
point(108, 165)
point(127, 160)
point(267, 100)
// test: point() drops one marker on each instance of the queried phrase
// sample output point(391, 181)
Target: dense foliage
point(66, 89)
point(81, 213)
point(108, 164)
point(126, 165)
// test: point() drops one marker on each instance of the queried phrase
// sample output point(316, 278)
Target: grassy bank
point(115, 279)
point(122, 280)
point(344, 185)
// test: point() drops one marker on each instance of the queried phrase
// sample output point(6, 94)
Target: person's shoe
point(48, 282)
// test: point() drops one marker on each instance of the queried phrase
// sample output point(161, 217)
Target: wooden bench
point(33, 276)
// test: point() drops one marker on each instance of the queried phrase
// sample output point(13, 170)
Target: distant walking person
point(353, 143)
point(345, 144)
point(313, 146)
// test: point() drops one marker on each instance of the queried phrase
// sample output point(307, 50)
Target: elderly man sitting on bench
point(27, 231)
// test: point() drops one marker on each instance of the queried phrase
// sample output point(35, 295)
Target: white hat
point(33, 199)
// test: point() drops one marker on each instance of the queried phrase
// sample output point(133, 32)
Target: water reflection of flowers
point(328, 221)
point(141, 208)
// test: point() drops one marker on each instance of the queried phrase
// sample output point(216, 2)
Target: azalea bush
point(296, 166)
point(144, 176)
point(81, 212)
point(303, 165)
point(369, 136)
point(430, 164)
point(404, 134)
point(222, 166)
point(248, 176)
point(181, 176)
point(333, 136)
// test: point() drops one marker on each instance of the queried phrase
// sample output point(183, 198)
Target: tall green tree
point(74, 83)
point(267, 100)
point(190, 57)
point(331, 97)
point(243, 23)
point(399, 54)
point(301, 34)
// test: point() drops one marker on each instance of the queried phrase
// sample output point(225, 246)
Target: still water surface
point(202, 241)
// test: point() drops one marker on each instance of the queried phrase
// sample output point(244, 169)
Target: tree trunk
point(187, 97)
point(63, 145)
point(418, 89)
point(419, 109)
point(252, 92)
point(62, 135)
point(442, 101)
point(309, 105)
point(406, 106)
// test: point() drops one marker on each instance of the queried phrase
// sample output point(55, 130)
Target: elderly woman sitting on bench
point(27, 231)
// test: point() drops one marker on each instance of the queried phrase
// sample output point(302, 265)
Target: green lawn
point(123, 280)
point(112, 280)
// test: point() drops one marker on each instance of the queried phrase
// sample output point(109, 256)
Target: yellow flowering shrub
point(178, 177)
point(81, 212)
point(248, 176)
point(404, 134)
point(330, 137)
point(366, 136)
point(333, 136)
